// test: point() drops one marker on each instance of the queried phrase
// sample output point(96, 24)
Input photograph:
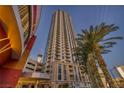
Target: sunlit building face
point(60, 62)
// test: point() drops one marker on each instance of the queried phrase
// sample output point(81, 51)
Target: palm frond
point(94, 36)
point(105, 51)
point(109, 43)
point(114, 38)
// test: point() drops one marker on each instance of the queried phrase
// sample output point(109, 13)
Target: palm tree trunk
point(84, 80)
point(103, 66)
point(91, 76)
point(95, 72)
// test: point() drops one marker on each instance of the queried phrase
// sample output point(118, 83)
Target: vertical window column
point(59, 71)
point(65, 74)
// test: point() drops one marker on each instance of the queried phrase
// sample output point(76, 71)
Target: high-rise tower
point(60, 63)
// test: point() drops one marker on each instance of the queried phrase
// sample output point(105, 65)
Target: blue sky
point(82, 18)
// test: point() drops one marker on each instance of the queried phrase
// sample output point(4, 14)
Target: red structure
point(17, 27)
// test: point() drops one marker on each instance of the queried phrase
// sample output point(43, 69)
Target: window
point(75, 73)
point(51, 71)
point(29, 68)
point(31, 64)
point(62, 55)
point(59, 72)
point(65, 76)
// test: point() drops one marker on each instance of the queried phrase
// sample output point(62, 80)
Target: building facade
point(60, 63)
point(34, 80)
point(30, 66)
point(119, 76)
point(34, 65)
point(17, 36)
point(33, 75)
point(120, 70)
point(119, 82)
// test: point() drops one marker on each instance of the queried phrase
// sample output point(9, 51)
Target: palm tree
point(93, 41)
point(88, 67)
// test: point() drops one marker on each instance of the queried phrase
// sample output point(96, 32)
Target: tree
point(92, 42)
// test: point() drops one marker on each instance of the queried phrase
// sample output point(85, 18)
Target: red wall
point(10, 72)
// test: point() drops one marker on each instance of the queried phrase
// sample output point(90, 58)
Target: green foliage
point(93, 38)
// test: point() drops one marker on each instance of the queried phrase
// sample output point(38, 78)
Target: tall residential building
point(60, 62)
point(18, 25)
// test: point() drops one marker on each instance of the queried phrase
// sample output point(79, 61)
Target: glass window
point(75, 73)
point(51, 73)
point(65, 76)
point(59, 72)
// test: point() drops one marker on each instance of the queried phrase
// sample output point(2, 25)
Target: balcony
point(48, 61)
point(47, 71)
point(49, 57)
point(58, 51)
point(71, 77)
point(40, 75)
point(68, 61)
point(71, 72)
point(68, 57)
point(70, 66)
point(58, 58)
point(68, 54)
point(48, 66)
point(67, 50)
